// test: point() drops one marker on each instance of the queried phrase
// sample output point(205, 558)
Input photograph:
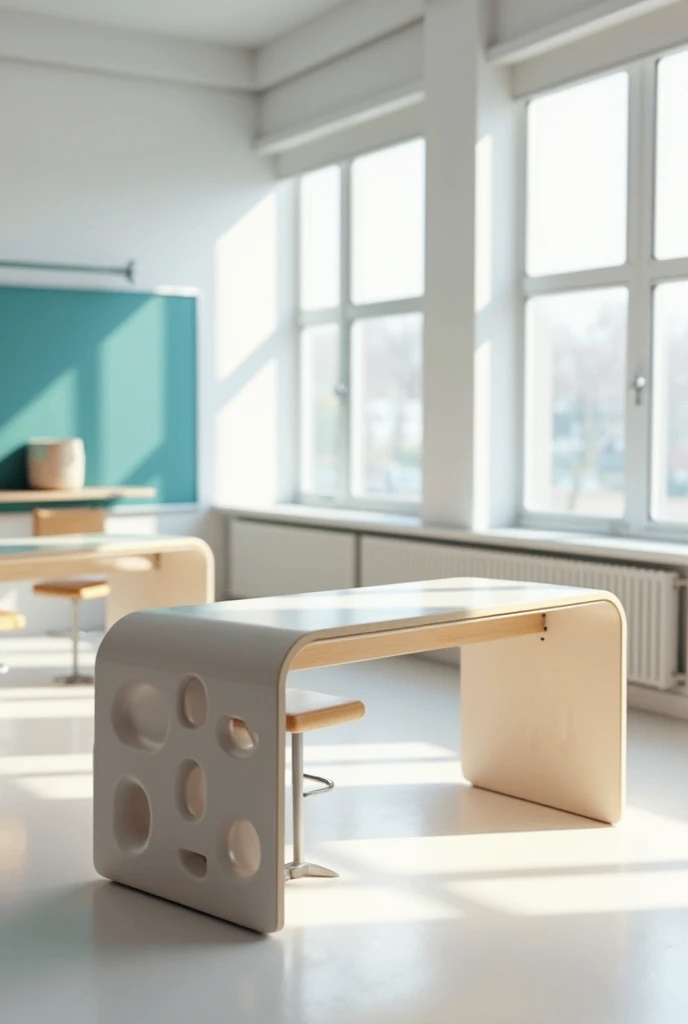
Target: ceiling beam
point(60, 42)
point(331, 35)
point(543, 36)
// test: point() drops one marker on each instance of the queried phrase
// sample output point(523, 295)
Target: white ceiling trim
point(375, 132)
point(380, 78)
point(590, 19)
point(331, 35)
point(57, 42)
point(656, 32)
point(372, 108)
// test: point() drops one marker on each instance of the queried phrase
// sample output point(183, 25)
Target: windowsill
point(588, 545)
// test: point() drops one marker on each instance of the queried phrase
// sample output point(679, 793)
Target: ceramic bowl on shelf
point(56, 464)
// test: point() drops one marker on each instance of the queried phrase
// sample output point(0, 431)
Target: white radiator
point(267, 559)
point(650, 597)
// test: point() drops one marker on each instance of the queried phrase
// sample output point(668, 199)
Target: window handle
point(341, 390)
point(638, 384)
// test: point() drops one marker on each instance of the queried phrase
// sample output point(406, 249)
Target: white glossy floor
point(455, 906)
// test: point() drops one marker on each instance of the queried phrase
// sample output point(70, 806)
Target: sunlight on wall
point(49, 404)
point(246, 287)
point(482, 438)
point(121, 354)
point(246, 441)
point(484, 178)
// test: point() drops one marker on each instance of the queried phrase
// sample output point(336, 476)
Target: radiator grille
point(650, 597)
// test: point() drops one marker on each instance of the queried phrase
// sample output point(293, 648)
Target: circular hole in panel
point(195, 863)
point(132, 816)
point(193, 702)
point(236, 738)
point(192, 790)
point(240, 848)
point(140, 717)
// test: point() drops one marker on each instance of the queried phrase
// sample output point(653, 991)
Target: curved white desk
point(543, 719)
point(182, 568)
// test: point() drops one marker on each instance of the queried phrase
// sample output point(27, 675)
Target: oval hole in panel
point(195, 863)
point(236, 738)
point(192, 790)
point(193, 702)
point(140, 717)
point(239, 847)
point(132, 816)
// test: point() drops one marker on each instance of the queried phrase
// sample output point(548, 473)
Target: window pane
point(670, 403)
point(387, 410)
point(671, 211)
point(321, 412)
point(577, 177)
point(388, 224)
point(319, 233)
point(575, 402)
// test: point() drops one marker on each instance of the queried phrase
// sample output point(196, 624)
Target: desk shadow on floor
point(374, 812)
point(126, 918)
point(482, 811)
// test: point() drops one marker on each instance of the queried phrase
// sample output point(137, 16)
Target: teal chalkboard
point(116, 368)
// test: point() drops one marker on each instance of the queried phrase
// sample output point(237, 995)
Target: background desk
point(23, 500)
point(183, 569)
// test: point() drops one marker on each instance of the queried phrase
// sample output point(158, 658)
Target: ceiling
point(238, 22)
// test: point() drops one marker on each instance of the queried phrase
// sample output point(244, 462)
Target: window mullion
point(345, 330)
point(638, 364)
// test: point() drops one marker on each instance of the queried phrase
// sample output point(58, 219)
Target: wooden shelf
point(84, 494)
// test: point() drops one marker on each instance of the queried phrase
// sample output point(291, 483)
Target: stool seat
point(76, 589)
point(10, 621)
point(308, 710)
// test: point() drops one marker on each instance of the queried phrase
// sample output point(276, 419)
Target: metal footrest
point(327, 784)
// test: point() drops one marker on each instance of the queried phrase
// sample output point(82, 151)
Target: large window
point(606, 301)
point(361, 281)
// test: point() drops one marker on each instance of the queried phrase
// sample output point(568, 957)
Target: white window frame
point(640, 274)
point(344, 316)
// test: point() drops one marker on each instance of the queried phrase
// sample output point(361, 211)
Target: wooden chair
point(307, 711)
point(9, 621)
point(52, 522)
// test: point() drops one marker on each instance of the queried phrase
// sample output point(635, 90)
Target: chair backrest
point(48, 522)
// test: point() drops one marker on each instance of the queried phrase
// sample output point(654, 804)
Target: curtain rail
point(127, 271)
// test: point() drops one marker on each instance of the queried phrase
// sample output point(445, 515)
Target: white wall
point(103, 169)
